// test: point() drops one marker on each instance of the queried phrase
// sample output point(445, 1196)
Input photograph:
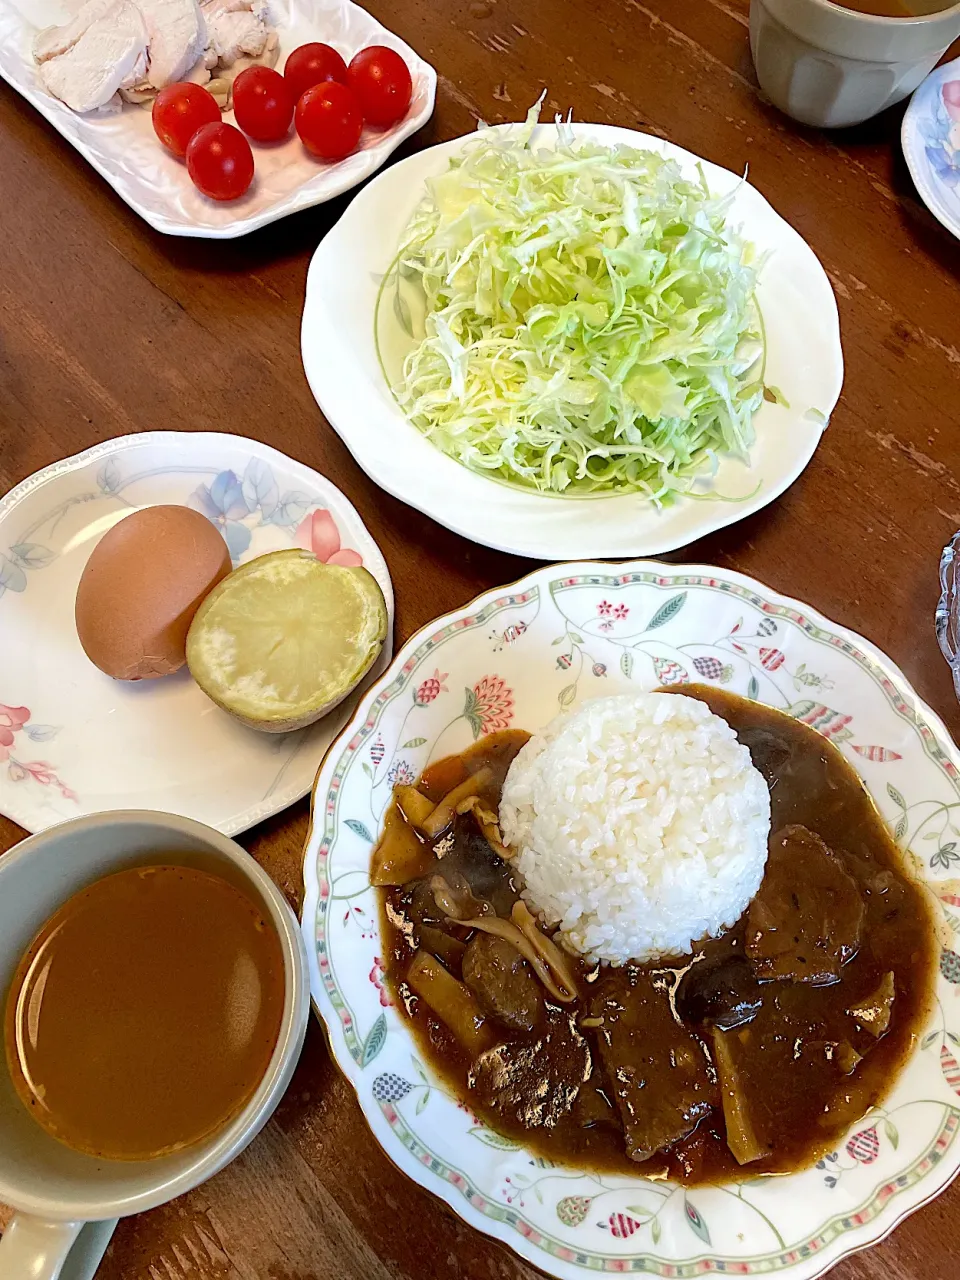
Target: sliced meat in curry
point(505, 985)
point(534, 1082)
point(659, 1073)
point(805, 922)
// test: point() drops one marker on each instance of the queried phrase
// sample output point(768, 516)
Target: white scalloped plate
point(804, 360)
point(72, 740)
point(511, 658)
point(124, 149)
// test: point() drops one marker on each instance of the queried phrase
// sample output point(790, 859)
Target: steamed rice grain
point(641, 826)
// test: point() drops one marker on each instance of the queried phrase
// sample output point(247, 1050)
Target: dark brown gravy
point(800, 1098)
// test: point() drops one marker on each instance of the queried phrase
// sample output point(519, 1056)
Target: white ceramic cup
point(59, 1192)
point(829, 66)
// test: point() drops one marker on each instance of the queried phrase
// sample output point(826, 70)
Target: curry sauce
point(757, 1052)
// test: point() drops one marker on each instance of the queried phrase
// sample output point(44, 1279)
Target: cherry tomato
point(179, 110)
point(220, 162)
point(329, 121)
point(313, 64)
point(263, 104)
point(381, 80)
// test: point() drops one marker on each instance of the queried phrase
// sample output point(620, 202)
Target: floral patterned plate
point(931, 143)
point(513, 658)
point(74, 741)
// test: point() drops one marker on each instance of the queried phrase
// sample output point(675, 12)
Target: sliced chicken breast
point(177, 36)
point(234, 31)
point(256, 7)
point(91, 70)
point(52, 41)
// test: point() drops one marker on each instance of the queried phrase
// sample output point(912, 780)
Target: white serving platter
point(124, 149)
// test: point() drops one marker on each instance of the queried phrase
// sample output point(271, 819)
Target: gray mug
point(830, 66)
point(67, 1203)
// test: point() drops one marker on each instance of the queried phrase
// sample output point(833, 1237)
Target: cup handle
point(37, 1249)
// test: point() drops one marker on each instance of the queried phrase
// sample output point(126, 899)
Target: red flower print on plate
point(376, 977)
point(12, 720)
point(604, 608)
point(620, 612)
point(489, 706)
point(430, 688)
point(864, 1146)
point(771, 659)
point(317, 532)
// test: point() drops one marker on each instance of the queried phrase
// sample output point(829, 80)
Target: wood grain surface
point(107, 327)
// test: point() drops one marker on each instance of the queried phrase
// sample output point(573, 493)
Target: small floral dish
point(74, 741)
point(931, 143)
point(341, 356)
point(124, 149)
point(512, 658)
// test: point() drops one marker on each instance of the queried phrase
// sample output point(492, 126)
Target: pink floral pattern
point(376, 977)
point(12, 720)
point(489, 706)
point(864, 1146)
point(430, 688)
point(318, 533)
point(621, 1226)
point(16, 720)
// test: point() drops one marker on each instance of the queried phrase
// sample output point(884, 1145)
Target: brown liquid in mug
point(144, 1014)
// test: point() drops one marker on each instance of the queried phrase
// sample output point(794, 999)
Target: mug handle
point(37, 1249)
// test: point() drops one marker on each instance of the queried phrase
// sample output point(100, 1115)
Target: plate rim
point(921, 182)
point(47, 107)
point(282, 798)
point(725, 514)
point(518, 1242)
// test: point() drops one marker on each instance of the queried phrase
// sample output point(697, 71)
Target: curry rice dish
point(757, 1044)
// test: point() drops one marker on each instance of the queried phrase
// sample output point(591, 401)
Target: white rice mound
point(641, 826)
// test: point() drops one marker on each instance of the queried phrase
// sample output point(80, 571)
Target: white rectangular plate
point(124, 149)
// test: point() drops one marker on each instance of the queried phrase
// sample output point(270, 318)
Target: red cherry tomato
point(220, 162)
point(329, 121)
point(179, 110)
point(381, 80)
point(263, 104)
point(313, 64)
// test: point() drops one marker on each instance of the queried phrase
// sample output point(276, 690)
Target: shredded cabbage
point(590, 318)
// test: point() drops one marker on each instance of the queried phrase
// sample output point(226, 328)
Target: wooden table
point(107, 327)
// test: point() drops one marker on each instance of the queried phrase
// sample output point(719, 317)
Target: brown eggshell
point(145, 580)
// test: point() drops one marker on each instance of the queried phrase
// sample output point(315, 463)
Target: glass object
point(948, 610)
